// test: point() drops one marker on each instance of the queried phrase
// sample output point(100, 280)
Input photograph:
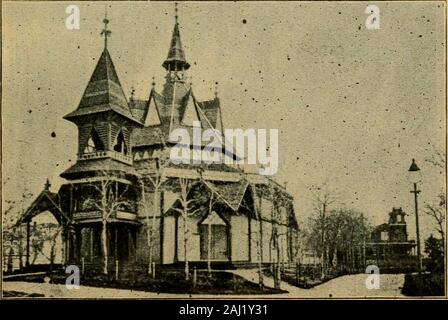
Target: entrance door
point(218, 242)
point(122, 242)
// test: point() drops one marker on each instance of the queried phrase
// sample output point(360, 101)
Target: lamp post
point(414, 171)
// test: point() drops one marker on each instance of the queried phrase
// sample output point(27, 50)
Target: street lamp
point(415, 176)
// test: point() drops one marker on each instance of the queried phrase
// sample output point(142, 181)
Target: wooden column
point(249, 231)
point(176, 237)
point(116, 242)
point(162, 204)
point(130, 249)
point(260, 221)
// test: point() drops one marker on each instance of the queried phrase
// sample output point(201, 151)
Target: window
point(218, 242)
point(120, 144)
point(94, 143)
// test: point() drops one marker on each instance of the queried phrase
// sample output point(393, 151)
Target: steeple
point(176, 57)
point(104, 91)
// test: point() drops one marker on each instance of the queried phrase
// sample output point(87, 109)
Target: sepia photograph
point(214, 150)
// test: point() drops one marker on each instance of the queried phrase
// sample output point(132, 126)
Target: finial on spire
point(176, 12)
point(175, 60)
point(47, 185)
point(132, 93)
point(216, 89)
point(153, 83)
point(105, 31)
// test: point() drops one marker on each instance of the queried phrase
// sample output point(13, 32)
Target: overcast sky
point(352, 105)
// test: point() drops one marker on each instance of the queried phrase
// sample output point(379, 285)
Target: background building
point(389, 245)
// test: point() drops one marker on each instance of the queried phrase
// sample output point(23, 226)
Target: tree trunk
point(187, 271)
point(104, 245)
point(260, 258)
point(335, 257)
point(209, 249)
point(20, 249)
point(151, 233)
point(322, 261)
point(279, 274)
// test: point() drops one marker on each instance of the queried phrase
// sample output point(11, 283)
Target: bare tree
point(185, 211)
point(437, 211)
point(345, 238)
point(278, 202)
point(10, 217)
point(211, 203)
point(107, 200)
point(48, 233)
point(437, 159)
point(259, 237)
point(156, 179)
point(323, 198)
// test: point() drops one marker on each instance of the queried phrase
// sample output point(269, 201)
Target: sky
point(353, 106)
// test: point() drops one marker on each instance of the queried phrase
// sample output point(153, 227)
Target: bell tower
point(176, 64)
point(103, 116)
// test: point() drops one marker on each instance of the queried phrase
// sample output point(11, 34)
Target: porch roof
point(46, 201)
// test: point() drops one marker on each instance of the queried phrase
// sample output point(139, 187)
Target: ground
point(350, 286)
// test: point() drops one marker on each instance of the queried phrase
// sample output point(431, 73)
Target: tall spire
point(176, 57)
point(104, 92)
point(105, 32)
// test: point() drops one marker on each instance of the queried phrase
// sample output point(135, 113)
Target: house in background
point(389, 245)
point(125, 200)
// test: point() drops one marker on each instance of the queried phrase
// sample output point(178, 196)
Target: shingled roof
point(230, 193)
point(103, 92)
point(208, 112)
point(45, 201)
point(176, 56)
point(98, 165)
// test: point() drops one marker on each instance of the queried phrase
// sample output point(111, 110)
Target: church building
point(124, 200)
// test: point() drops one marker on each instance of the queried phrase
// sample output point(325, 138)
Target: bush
point(433, 284)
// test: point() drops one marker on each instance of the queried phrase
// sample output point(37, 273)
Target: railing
point(122, 215)
point(105, 154)
point(79, 215)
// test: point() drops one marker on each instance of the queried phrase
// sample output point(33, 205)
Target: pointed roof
point(45, 201)
point(152, 116)
point(103, 92)
point(209, 113)
point(176, 57)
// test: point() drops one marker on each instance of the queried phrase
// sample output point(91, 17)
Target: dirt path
point(349, 286)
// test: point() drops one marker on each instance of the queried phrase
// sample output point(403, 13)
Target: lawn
point(173, 281)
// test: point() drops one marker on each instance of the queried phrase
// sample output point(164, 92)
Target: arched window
point(94, 143)
point(120, 143)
